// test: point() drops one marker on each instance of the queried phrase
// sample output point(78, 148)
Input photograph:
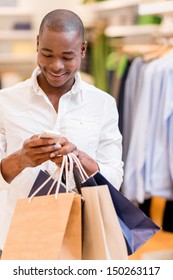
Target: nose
point(57, 64)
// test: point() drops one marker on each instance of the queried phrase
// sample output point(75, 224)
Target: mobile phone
point(50, 134)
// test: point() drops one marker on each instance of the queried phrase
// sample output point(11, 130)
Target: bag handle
point(81, 170)
point(57, 175)
point(68, 175)
point(67, 165)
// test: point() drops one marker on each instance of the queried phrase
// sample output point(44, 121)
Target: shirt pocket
point(83, 133)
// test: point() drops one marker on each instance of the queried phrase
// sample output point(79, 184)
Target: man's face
point(59, 57)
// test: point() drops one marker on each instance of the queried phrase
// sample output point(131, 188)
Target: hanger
point(150, 51)
point(165, 45)
point(138, 49)
point(161, 51)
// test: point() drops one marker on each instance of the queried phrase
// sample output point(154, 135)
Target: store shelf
point(111, 5)
point(19, 63)
point(17, 45)
point(17, 35)
point(130, 30)
point(16, 58)
point(107, 10)
point(15, 11)
point(156, 8)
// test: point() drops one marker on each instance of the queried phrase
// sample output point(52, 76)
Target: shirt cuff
point(114, 176)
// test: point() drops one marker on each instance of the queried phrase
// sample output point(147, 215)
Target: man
point(55, 98)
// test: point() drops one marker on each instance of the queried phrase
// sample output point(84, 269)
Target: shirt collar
point(76, 87)
point(34, 81)
point(74, 90)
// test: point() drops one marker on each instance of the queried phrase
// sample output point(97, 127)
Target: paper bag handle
point(67, 165)
point(81, 170)
point(57, 175)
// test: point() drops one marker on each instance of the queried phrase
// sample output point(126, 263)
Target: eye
point(67, 58)
point(47, 55)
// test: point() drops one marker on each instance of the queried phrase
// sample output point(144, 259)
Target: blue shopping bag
point(41, 178)
point(137, 228)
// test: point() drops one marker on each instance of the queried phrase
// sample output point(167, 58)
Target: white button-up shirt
point(86, 115)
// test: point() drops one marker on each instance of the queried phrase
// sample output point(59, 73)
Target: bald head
point(61, 20)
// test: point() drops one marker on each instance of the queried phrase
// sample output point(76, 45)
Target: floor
point(160, 246)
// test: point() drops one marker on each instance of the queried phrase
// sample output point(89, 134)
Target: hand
point(36, 150)
point(33, 152)
point(89, 164)
point(65, 147)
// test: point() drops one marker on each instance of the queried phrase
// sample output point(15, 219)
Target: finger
point(43, 142)
point(58, 161)
point(70, 148)
point(34, 136)
point(63, 141)
point(35, 140)
point(76, 152)
point(55, 155)
point(47, 149)
point(37, 160)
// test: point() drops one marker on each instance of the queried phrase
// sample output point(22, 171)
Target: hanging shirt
point(131, 96)
point(140, 158)
point(162, 154)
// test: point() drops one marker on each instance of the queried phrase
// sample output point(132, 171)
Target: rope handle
point(81, 170)
point(57, 178)
point(67, 165)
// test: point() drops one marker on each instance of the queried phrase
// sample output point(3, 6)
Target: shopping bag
point(137, 228)
point(102, 235)
point(42, 177)
point(45, 228)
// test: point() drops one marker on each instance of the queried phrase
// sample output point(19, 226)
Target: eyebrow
point(48, 50)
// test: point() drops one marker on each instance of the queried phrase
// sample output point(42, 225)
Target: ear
point(84, 49)
point(37, 42)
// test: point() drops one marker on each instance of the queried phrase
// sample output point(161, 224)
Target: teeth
point(55, 75)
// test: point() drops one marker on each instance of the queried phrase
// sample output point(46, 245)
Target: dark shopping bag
point(42, 177)
point(137, 228)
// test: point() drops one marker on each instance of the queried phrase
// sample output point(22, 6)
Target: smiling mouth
point(56, 75)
